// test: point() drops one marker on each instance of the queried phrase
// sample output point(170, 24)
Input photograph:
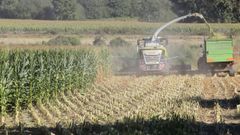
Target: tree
point(224, 10)
point(80, 12)
point(64, 9)
point(31, 9)
point(236, 11)
point(135, 9)
point(42, 9)
point(28, 9)
point(95, 9)
point(213, 10)
point(146, 10)
point(8, 8)
point(119, 8)
point(156, 10)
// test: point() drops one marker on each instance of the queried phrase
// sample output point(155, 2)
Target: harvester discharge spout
point(155, 36)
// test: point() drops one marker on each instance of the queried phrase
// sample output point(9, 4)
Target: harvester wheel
point(167, 69)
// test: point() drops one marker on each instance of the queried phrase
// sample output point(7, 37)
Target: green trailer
point(217, 56)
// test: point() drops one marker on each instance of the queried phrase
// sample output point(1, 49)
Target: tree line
point(145, 10)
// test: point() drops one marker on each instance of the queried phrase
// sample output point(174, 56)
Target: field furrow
point(207, 99)
point(208, 113)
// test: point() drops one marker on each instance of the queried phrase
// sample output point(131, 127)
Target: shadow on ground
point(134, 126)
point(223, 103)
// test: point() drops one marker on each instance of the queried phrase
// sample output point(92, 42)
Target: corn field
point(30, 77)
point(109, 27)
point(64, 90)
point(142, 105)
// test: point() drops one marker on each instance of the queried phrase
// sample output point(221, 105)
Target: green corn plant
point(29, 77)
point(3, 102)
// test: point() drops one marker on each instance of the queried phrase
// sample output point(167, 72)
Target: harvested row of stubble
point(119, 97)
point(208, 113)
point(121, 100)
point(74, 106)
point(173, 94)
point(231, 100)
point(236, 84)
point(219, 100)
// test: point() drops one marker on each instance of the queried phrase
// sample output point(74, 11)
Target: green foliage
point(119, 8)
point(146, 10)
point(27, 77)
point(64, 9)
point(8, 8)
point(80, 12)
point(214, 10)
point(23, 8)
point(156, 10)
point(135, 10)
point(64, 40)
point(95, 9)
point(27, 9)
point(118, 42)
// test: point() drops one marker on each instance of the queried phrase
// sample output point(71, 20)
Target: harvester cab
point(152, 54)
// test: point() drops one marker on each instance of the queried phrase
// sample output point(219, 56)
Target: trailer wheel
point(213, 72)
point(202, 65)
